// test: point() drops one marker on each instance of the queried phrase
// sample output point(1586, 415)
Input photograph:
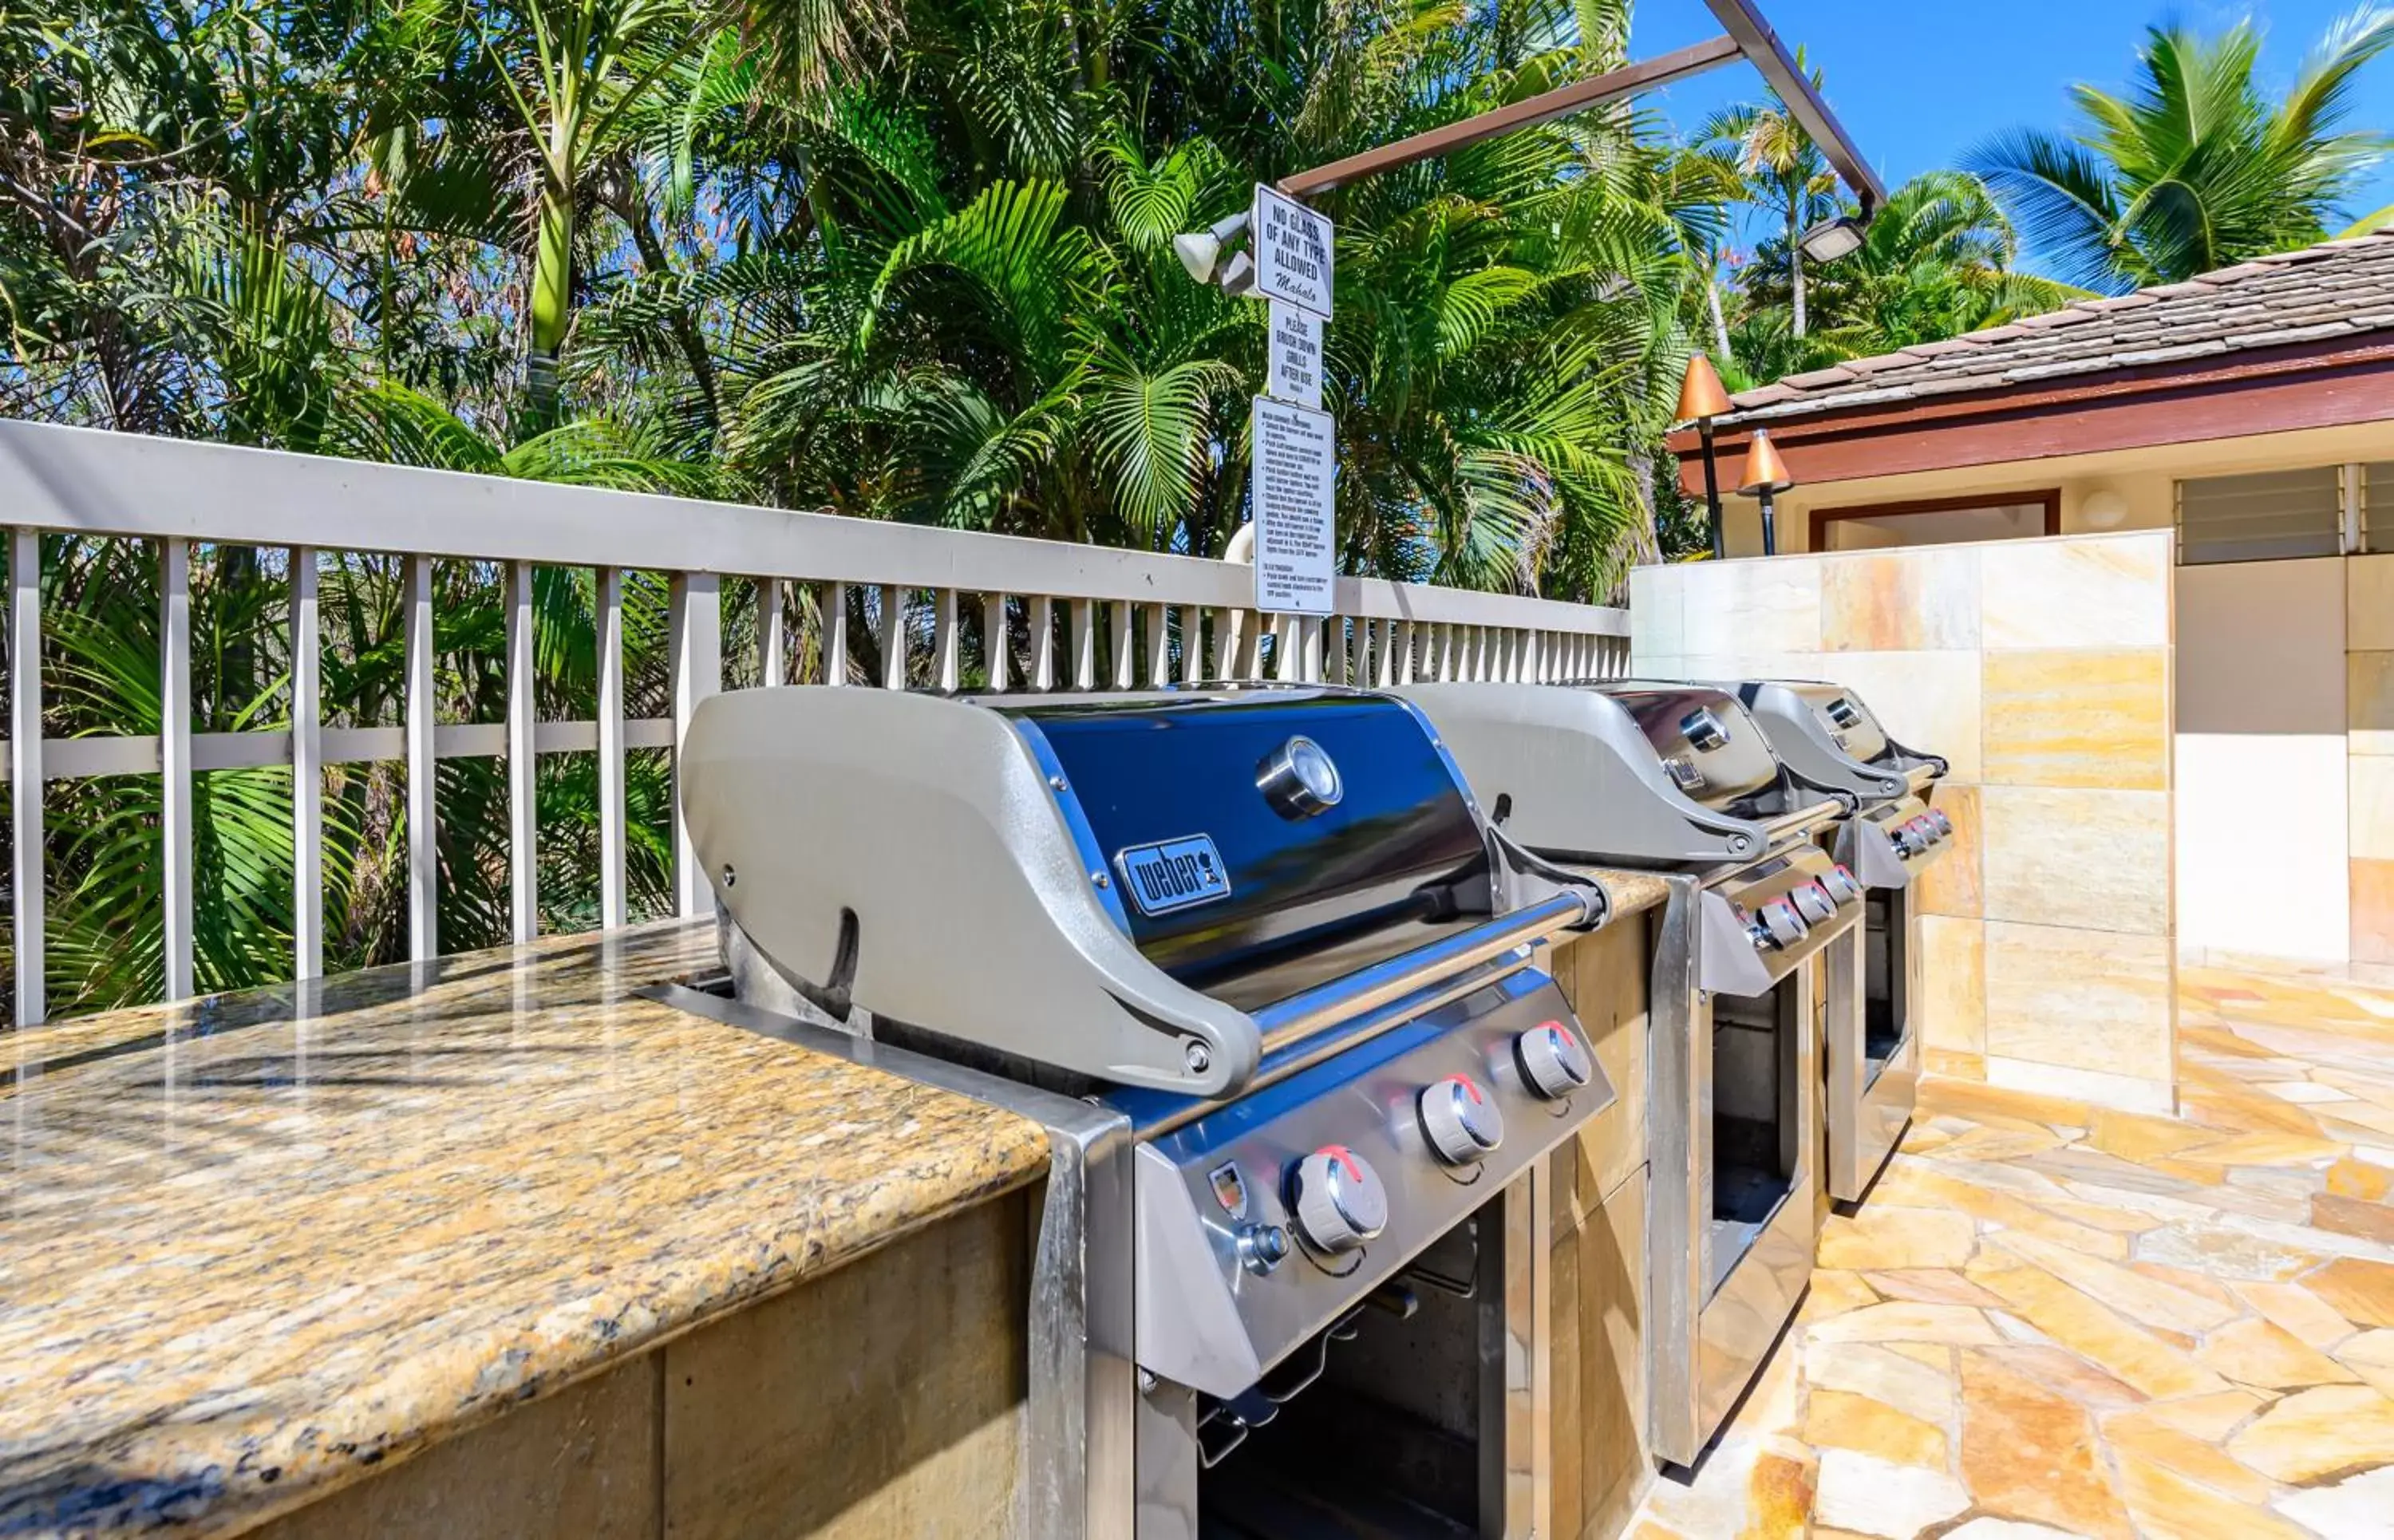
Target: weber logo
point(1174, 873)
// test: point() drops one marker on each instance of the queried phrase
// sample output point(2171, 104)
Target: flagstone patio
point(2052, 1320)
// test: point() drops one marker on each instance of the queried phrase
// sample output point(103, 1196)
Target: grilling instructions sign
point(1296, 483)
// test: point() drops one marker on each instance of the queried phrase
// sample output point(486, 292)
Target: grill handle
point(1804, 819)
point(1302, 1015)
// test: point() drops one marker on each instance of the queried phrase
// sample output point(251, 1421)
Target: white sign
point(1293, 251)
point(1296, 353)
point(1295, 453)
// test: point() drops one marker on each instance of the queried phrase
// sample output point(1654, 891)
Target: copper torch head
point(1701, 395)
point(1764, 472)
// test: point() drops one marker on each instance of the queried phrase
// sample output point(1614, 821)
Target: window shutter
point(2378, 506)
point(2264, 518)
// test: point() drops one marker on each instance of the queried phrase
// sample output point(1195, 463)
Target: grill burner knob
point(1813, 903)
point(1781, 927)
point(1461, 1124)
point(1842, 886)
point(1940, 822)
point(1553, 1061)
point(1906, 839)
point(1338, 1199)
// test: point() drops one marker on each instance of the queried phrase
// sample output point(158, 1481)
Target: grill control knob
point(1940, 822)
point(1338, 1199)
point(1906, 840)
point(1553, 1061)
point(1459, 1120)
point(1813, 903)
point(1842, 886)
point(1782, 926)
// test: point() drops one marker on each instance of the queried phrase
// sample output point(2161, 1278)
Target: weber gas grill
point(1873, 1067)
point(1759, 935)
point(1266, 931)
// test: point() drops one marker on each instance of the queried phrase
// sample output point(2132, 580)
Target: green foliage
point(2192, 169)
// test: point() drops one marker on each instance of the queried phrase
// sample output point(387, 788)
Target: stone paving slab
point(2054, 1321)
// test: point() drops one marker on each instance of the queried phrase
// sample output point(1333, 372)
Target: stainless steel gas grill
point(1266, 931)
point(1827, 733)
point(1759, 932)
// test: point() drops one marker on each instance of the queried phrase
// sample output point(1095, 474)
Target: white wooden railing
point(1158, 612)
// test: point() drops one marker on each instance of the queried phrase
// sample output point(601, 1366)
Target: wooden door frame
point(2050, 496)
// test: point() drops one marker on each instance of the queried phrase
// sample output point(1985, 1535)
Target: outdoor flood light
point(1832, 239)
point(1200, 251)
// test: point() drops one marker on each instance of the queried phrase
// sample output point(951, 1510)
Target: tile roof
point(2339, 288)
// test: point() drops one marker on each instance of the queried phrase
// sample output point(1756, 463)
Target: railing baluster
point(833, 616)
point(1310, 637)
point(1287, 656)
point(1251, 644)
point(695, 601)
point(523, 800)
point(175, 756)
point(945, 643)
point(1085, 644)
point(1043, 642)
point(306, 770)
point(996, 654)
point(1159, 646)
point(613, 904)
point(1229, 640)
point(1126, 645)
point(1192, 644)
point(893, 637)
point(25, 873)
point(771, 642)
point(423, 802)
point(1405, 672)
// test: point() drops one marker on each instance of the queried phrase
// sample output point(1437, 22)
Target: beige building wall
point(2042, 670)
point(2369, 704)
point(2261, 762)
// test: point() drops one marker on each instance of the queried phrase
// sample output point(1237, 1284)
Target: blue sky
point(1919, 83)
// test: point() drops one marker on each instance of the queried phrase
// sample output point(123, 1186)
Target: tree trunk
point(552, 277)
point(634, 211)
point(1720, 327)
point(1796, 271)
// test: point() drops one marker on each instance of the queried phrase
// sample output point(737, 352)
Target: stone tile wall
point(2042, 670)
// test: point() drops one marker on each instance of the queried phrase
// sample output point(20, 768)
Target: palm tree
point(1939, 261)
point(1785, 175)
point(2193, 170)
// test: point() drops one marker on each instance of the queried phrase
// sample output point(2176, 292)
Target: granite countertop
point(253, 1247)
point(1632, 891)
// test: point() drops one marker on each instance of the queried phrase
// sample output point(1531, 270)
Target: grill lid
point(1127, 888)
point(1627, 774)
point(1262, 842)
point(1713, 751)
point(1828, 733)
